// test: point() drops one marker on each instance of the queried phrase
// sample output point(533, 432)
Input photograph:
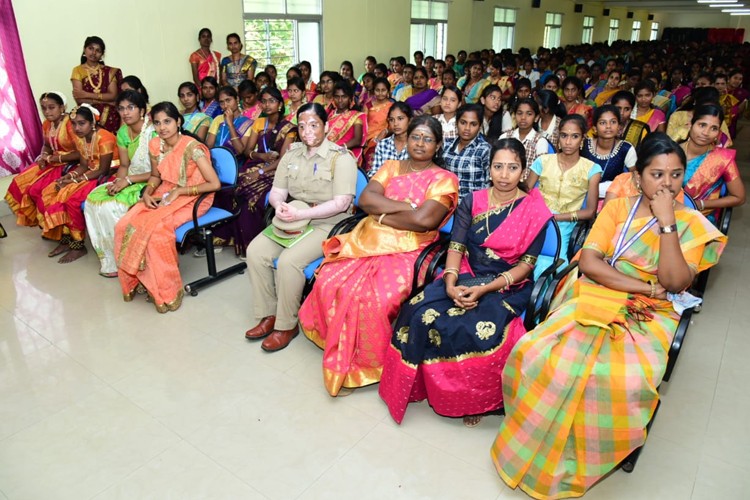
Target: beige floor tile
point(718, 479)
point(81, 450)
point(283, 437)
point(39, 384)
point(389, 464)
point(180, 473)
point(17, 339)
point(728, 433)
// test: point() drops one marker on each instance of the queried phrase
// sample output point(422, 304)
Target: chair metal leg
point(213, 275)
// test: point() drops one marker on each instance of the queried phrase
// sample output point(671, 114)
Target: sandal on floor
point(472, 420)
point(108, 275)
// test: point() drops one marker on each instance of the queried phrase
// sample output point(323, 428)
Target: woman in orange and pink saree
point(451, 340)
point(144, 238)
point(24, 194)
point(580, 389)
point(346, 126)
point(63, 216)
point(710, 167)
point(368, 273)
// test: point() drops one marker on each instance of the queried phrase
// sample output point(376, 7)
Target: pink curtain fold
point(20, 127)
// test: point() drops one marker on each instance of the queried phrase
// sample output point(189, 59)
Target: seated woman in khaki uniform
point(324, 176)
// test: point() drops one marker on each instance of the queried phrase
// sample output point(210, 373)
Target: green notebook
point(286, 242)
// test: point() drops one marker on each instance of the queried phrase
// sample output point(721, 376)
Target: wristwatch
point(668, 229)
point(413, 205)
point(261, 171)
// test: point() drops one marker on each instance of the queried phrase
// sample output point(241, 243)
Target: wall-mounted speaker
point(630, 15)
point(535, 4)
point(605, 12)
point(650, 17)
point(578, 7)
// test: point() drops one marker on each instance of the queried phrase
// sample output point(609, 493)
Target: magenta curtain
point(20, 128)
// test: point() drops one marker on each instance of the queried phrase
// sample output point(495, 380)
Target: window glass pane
point(439, 11)
point(308, 45)
point(548, 18)
point(420, 9)
point(264, 6)
point(303, 6)
point(271, 41)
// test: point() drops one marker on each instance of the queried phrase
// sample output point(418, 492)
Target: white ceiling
point(660, 5)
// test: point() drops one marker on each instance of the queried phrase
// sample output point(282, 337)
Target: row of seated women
point(454, 330)
point(461, 345)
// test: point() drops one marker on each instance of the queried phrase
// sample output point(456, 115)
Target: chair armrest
point(725, 218)
point(197, 204)
point(540, 286)
point(429, 249)
point(578, 237)
point(346, 225)
point(554, 283)
point(677, 341)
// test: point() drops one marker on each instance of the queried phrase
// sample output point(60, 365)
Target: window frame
point(552, 27)
point(654, 33)
point(635, 32)
point(510, 25)
point(587, 31)
point(296, 19)
point(614, 31)
point(440, 25)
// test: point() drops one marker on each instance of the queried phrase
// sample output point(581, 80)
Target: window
point(429, 27)
point(654, 31)
point(587, 35)
point(283, 32)
point(552, 29)
point(614, 30)
point(504, 30)
point(635, 35)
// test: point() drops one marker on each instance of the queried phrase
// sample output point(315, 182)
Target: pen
point(315, 168)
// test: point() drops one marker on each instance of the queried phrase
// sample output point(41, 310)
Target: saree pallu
point(145, 246)
point(236, 72)
point(731, 107)
point(604, 95)
point(365, 277)
point(207, 65)
point(424, 101)
point(473, 93)
point(211, 108)
point(195, 120)
point(653, 118)
point(220, 129)
point(706, 174)
point(24, 194)
point(451, 356)
point(585, 111)
point(250, 193)
point(100, 81)
point(580, 388)
point(62, 209)
point(341, 130)
point(377, 121)
point(102, 211)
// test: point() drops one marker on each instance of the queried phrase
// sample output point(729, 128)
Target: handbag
point(478, 280)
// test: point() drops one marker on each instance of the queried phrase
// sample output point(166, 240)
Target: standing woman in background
point(97, 84)
point(24, 194)
point(236, 67)
point(203, 61)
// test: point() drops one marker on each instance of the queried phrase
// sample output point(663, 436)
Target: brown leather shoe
point(262, 329)
point(279, 339)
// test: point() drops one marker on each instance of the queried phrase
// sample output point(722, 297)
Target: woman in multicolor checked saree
point(581, 387)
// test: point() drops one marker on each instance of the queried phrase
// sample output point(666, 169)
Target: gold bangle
point(450, 271)
point(653, 289)
point(380, 220)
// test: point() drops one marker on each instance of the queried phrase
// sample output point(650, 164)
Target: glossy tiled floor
point(103, 399)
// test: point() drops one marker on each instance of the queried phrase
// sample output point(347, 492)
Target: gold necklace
point(509, 203)
point(411, 168)
point(88, 151)
point(90, 75)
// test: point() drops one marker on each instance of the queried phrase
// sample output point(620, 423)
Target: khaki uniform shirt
point(330, 171)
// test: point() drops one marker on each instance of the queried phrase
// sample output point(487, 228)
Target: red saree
point(24, 194)
point(145, 246)
point(365, 277)
point(62, 213)
point(341, 129)
point(98, 82)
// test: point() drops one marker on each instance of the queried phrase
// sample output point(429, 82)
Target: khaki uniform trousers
point(280, 295)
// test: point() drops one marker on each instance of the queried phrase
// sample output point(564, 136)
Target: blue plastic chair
point(200, 228)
